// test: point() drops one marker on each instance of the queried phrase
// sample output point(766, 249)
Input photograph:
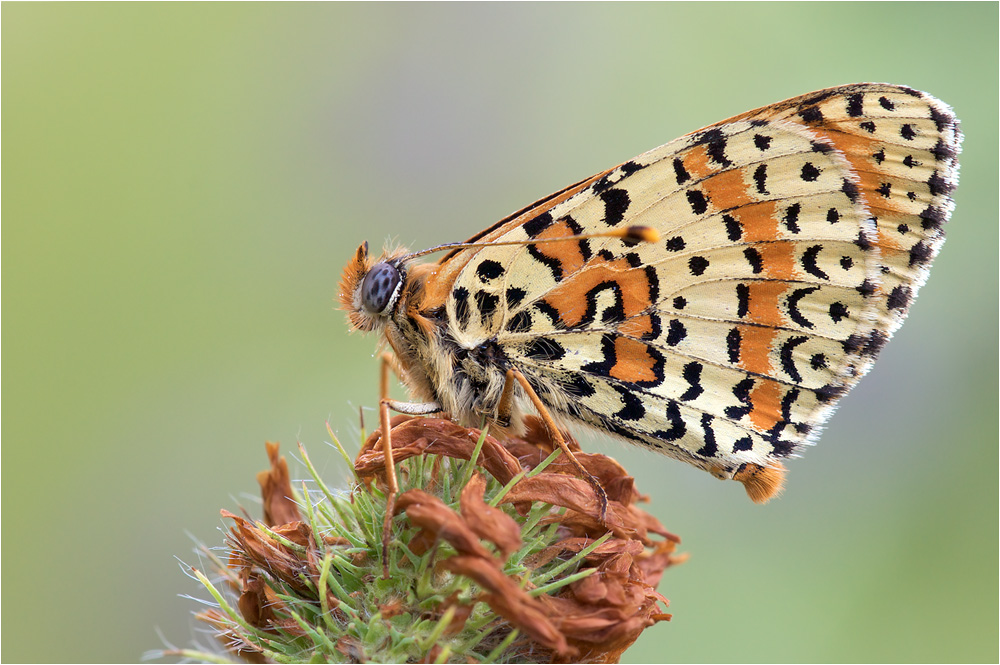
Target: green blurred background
point(183, 183)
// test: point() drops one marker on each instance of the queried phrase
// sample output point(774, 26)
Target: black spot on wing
point(939, 185)
point(697, 200)
point(677, 427)
point(850, 190)
point(855, 104)
point(715, 146)
point(932, 218)
point(809, 172)
point(742, 300)
point(692, 374)
point(697, 265)
point(741, 391)
point(863, 242)
point(461, 297)
point(544, 349)
point(653, 282)
point(838, 312)
point(489, 270)
point(792, 217)
point(920, 253)
point(829, 393)
point(899, 298)
point(609, 357)
point(514, 296)
point(821, 147)
point(520, 322)
point(734, 230)
point(710, 449)
point(875, 343)
point(809, 262)
point(811, 115)
point(760, 179)
point(487, 304)
point(577, 385)
point(537, 224)
point(630, 167)
point(943, 152)
point(787, 359)
point(793, 306)
point(633, 408)
point(616, 202)
point(680, 173)
point(676, 332)
point(733, 341)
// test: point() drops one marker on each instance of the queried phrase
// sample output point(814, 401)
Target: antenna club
point(639, 234)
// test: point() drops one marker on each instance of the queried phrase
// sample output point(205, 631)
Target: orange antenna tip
point(638, 234)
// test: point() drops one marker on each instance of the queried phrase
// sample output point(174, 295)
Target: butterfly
point(711, 299)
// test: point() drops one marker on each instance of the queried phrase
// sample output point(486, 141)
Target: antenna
point(629, 235)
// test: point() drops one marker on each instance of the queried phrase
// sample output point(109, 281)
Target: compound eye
point(378, 287)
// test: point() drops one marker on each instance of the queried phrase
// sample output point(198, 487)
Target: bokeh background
point(182, 184)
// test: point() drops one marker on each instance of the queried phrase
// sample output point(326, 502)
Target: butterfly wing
point(793, 240)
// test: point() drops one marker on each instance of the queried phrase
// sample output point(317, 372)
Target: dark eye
point(377, 289)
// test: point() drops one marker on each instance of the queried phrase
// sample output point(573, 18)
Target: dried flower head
point(496, 555)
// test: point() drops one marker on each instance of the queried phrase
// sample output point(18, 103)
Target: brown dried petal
point(253, 547)
point(431, 514)
point(299, 533)
point(575, 494)
point(276, 488)
point(654, 563)
point(510, 601)
point(601, 633)
point(461, 614)
point(257, 602)
point(417, 436)
point(488, 522)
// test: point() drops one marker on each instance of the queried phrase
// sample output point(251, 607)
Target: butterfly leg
point(389, 363)
point(384, 404)
point(390, 479)
point(504, 409)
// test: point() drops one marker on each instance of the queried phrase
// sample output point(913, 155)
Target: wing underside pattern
point(793, 241)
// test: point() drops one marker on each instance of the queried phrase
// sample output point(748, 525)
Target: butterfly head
point(370, 287)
